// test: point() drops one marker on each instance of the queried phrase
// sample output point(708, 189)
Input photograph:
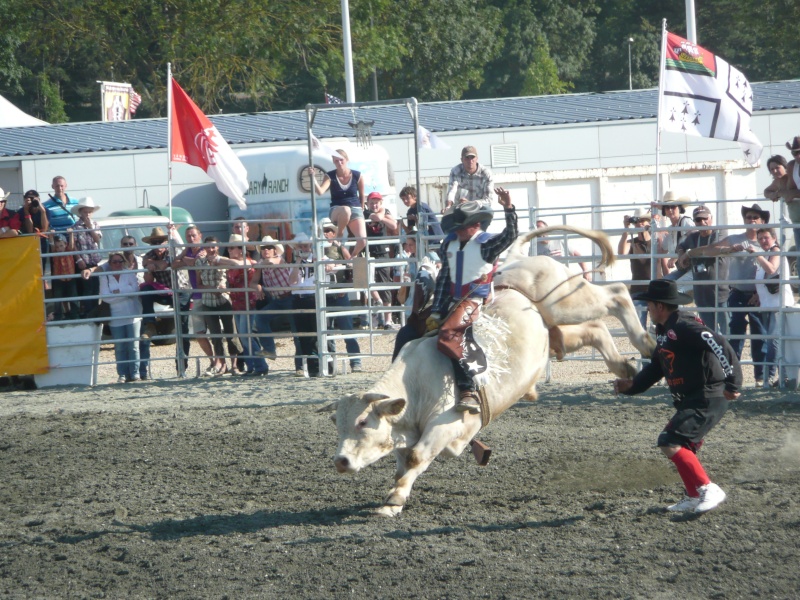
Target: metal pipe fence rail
point(324, 333)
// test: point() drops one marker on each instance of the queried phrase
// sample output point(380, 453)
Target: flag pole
point(176, 298)
point(661, 66)
point(170, 116)
point(659, 194)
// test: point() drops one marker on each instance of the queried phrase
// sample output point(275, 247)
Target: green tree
point(541, 77)
point(446, 45)
point(566, 28)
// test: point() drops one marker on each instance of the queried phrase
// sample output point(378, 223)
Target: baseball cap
point(469, 151)
point(375, 196)
point(31, 194)
point(701, 211)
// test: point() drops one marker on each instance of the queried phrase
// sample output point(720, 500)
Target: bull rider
point(463, 285)
point(703, 374)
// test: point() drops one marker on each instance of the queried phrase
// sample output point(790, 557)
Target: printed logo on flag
point(705, 96)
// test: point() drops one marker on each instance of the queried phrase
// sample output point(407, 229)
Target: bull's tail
point(516, 252)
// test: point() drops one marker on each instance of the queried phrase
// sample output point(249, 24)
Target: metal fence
point(366, 312)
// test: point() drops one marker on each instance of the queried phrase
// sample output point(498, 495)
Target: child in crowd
point(63, 268)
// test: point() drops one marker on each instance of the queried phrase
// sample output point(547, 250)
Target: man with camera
point(741, 269)
point(691, 253)
point(638, 244)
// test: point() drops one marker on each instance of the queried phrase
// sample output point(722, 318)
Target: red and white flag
point(703, 95)
point(196, 141)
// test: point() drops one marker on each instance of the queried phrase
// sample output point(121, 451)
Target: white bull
point(570, 338)
point(409, 411)
point(564, 298)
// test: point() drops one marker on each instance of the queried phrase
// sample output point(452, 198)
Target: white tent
point(11, 116)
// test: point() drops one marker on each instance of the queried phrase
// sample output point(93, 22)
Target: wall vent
point(505, 155)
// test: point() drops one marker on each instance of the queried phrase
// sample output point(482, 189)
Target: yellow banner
point(23, 342)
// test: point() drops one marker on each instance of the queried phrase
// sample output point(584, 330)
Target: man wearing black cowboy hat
point(469, 260)
point(703, 374)
point(742, 272)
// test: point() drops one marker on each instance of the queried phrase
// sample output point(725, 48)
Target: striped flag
point(135, 101)
point(332, 99)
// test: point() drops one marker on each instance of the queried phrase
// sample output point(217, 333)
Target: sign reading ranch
point(268, 186)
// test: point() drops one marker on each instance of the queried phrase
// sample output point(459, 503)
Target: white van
point(280, 187)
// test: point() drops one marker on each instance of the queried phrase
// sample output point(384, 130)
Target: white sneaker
point(122, 379)
point(688, 504)
point(711, 496)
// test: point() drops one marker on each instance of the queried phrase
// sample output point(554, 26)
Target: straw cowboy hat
point(156, 237)
point(641, 213)
point(268, 241)
point(326, 224)
point(466, 214)
point(85, 203)
point(672, 199)
point(3, 194)
point(663, 290)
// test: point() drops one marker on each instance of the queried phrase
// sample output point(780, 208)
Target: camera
point(34, 203)
point(631, 220)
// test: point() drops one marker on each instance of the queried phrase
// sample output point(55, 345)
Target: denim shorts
point(356, 212)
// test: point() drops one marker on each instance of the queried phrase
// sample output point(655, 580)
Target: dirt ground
point(225, 488)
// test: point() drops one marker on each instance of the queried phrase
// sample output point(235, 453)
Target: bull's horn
point(373, 397)
point(598, 237)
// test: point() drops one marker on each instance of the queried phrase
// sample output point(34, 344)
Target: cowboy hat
point(85, 203)
point(268, 241)
point(794, 146)
point(640, 214)
point(665, 291)
point(326, 223)
point(672, 199)
point(235, 239)
point(3, 194)
point(466, 214)
point(757, 209)
point(156, 237)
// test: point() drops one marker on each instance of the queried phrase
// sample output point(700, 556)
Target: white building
point(553, 152)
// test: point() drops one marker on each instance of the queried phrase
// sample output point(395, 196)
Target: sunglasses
point(701, 219)
point(117, 262)
point(752, 217)
point(125, 245)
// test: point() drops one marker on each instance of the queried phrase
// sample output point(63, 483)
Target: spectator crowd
point(233, 298)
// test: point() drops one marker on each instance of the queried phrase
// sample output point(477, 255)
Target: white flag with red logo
point(319, 146)
point(705, 96)
point(428, 140)
point(196, 141)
